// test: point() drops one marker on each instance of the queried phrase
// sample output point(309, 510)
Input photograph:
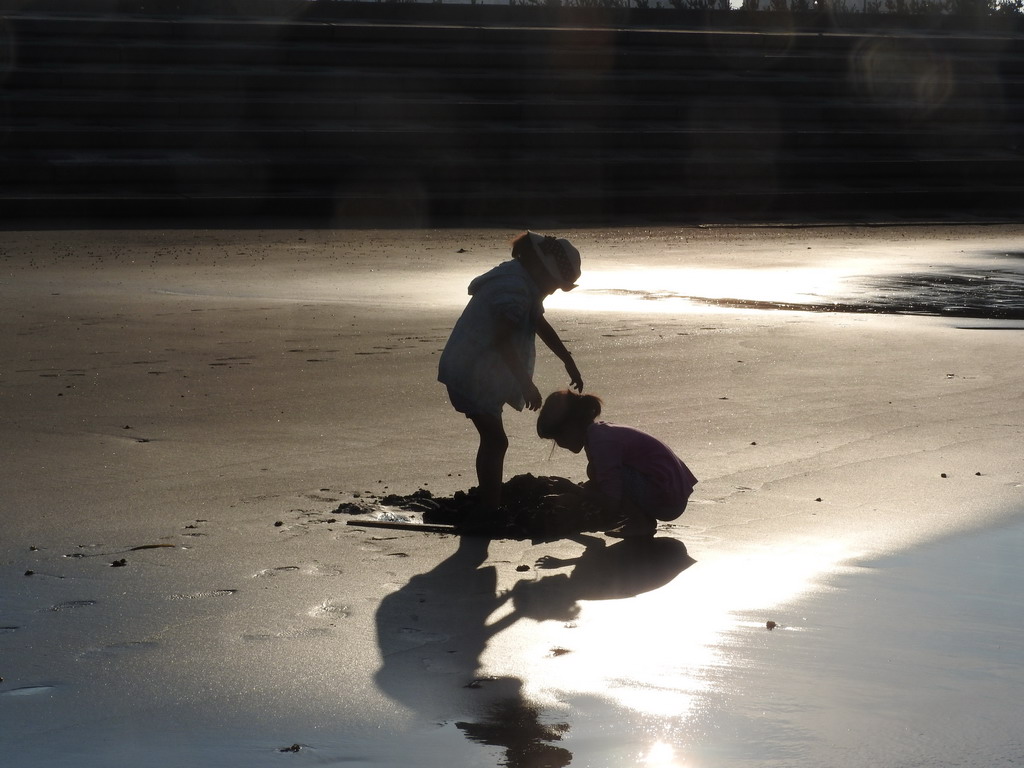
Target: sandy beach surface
point(182, 412)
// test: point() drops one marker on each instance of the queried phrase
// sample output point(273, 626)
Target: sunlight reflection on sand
point(660, 653)
point(661, 755)
point(673, 290)
point(919, 279)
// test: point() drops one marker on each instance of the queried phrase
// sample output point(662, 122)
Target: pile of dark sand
point(527, 509)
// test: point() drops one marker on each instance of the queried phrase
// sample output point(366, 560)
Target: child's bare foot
point(477, 522)
point(634, 529)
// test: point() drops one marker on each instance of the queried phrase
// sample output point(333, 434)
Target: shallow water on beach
point(919, 654)
point(983, 285)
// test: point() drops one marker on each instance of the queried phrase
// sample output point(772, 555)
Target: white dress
point(477, 377)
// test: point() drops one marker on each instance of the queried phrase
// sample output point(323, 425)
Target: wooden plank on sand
point(405, 526)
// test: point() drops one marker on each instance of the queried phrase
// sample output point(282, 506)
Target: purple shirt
point(611, 447)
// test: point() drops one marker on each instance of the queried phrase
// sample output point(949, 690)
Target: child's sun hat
point(559, 257)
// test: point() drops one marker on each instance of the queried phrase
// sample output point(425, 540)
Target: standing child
point(633, 477)
point(489, 358)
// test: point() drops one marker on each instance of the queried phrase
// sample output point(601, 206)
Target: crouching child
point(633, 477)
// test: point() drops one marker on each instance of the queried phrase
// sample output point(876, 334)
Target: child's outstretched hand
point(575, 379)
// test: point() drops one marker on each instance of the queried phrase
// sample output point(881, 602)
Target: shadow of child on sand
point(433, 631)
point(627, 568)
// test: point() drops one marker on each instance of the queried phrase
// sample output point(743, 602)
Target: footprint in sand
point(326, 569)
point(258, 498)
point(330, 610)
point(201, 595)
point(407, 638)
point(289, 634)
point(274, 571)
point(72, 604)
point(320, 497)
point(116, 649)
point(444, 665)
point(367, 546)
point(28, 690)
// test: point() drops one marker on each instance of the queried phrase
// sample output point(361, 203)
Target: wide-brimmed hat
point(559, 257)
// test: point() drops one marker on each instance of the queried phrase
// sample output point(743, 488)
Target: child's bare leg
point(490, 459)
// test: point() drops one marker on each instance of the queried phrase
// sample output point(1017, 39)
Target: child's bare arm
point(550, 337)
point(515, 364)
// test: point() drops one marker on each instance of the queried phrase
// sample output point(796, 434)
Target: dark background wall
point(416, 115)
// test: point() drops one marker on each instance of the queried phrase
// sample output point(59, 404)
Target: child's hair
point(566, 407)
point(523, 250)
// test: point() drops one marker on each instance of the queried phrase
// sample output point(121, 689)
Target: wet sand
point(908, 659)
point(185, 411)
